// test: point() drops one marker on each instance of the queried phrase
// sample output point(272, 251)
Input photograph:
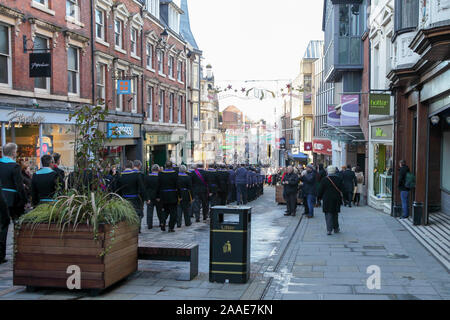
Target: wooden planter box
point(43, 255)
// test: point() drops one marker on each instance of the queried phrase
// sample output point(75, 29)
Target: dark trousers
point(184, 210)
point(150, 210)
point(349, 197)
point(231, 193)
point(241, 192)
point(332, 220)
point(170, 211)
point(292, 202)
point(200, 200)
point(357, 198)
point(3, 238)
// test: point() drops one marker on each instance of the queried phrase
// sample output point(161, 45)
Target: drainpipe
point(142, 93)
point(92, 51)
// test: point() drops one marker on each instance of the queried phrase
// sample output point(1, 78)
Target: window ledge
point(162, 75)
point(171, 78)
point(135, 57)
point(120, 50)
point(150, 69)
point(181, 82)
point(41, 7)
point(101, 41)
point(74, 21)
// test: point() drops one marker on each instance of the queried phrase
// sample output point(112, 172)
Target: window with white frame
point(119, 97)
point(41, 84)
point(150, 103)
point(179, 70)
point(72, 9)
point(171, 101)
point(160, 62)
point(100, 24)
point(180, 107)
point(134, 36)
point(134, 92)
point(161, 105)
point(174, 19)
point(118, 29)
point(153, 7)
point(5, 56)
point(73, 70)
point(43, 2)
point(170, 64)
point(101, 75)
point(149, 56)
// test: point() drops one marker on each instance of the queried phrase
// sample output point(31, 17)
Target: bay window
point(406, 14)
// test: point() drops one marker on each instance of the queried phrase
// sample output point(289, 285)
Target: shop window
point(382, 171)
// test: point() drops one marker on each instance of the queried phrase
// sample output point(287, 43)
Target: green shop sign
point(383, 132)
point(380, 104)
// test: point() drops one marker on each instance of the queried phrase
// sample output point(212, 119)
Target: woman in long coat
point(330, 192)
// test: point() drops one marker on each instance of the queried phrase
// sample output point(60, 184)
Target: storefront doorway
point(160, 155)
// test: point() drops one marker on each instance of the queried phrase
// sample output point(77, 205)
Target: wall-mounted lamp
point(435, 120)
point(162, 42)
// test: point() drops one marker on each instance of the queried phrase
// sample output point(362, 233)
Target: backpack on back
point(410, 180)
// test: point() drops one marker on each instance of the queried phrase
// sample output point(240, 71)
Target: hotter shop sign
point(380, 104)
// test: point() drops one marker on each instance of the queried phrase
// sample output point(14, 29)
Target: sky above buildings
point(246, 40)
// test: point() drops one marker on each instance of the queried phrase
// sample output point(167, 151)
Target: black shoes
point(329, 233)
point(3, 261)
point(197, 220)
point(287, 214)
point(337, 230)
point(163, 227)
point(171, 230)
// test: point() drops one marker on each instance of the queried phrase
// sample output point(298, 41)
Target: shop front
point(125, 143)
point(160, 147)
point(381, 165)
point(37, 133)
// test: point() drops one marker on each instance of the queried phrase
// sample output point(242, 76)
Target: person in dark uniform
point(151, 183)
point(213, 184)
point(131, 187)
point(201, 193)
point(290, 183)
point(4, 220)
point(185, 191)
point(137, 167)
point(223, 176)
point(168, 179)
point(242, 182)
point(231, 184)
point(45, 183)
point(55, 167)
point(13, 192)
point(350, 182)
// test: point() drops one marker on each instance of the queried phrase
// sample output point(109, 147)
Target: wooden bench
point(171, 251)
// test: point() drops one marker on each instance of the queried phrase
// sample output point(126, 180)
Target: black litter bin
point(229, 253)
point(417, 213)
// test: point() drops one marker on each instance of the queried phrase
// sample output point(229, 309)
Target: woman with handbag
point(330, 192)
point(359, 188)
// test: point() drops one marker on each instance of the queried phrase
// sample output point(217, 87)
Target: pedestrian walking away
point(201, 192)
point(151, 183)
point(45, 183)
point(350, 182)
point(184, 187)
point(309, 188)
point(330, 192)
point(168, 180)
point(290, 183)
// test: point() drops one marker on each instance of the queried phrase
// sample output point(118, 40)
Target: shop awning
point(298, 156)
point(346, 134)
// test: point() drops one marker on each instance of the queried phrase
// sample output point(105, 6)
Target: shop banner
point(308, 146)
point(383, 132)
point(333, 118)
point(322, 146)
point(120, 130)
point(349, 110)
point(40, 65)
point(380, 104)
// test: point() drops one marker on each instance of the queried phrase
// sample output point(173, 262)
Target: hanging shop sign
point(379, 104)
point(307, 146)
point(282, 143)
point(322, 146)
point(333, 118)
point(350, 110)
point(382, 132)
point(40, 65)
point(120, 130)
point(158, 139)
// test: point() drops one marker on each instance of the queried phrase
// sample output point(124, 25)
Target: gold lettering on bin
point(227, 247)
point(227, 227)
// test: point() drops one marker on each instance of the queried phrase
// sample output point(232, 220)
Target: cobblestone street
point(291, 259)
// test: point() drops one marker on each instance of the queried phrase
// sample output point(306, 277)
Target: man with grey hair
point(184, 186)
point(330, 191)
point(290, 183)
point(13, 191)
point(151, 182)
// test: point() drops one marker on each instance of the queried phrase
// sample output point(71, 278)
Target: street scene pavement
point(291, 258)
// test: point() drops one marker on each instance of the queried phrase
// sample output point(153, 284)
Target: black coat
point(168, 184)
point(4, 213)
point(331, 197)
point(292, 186)
point(212, 180)
point(44, 185)
point(402, 178)
point(11, 177)
point(223, 177)
point(309, 183)
point(130, 185)
point(198, 186)
point(349, 180)
point(184, 187)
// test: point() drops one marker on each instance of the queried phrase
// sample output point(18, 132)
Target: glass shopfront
point(382, 160)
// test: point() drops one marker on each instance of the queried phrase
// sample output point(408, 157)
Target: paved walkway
point(318, 266)
point(292, 258)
